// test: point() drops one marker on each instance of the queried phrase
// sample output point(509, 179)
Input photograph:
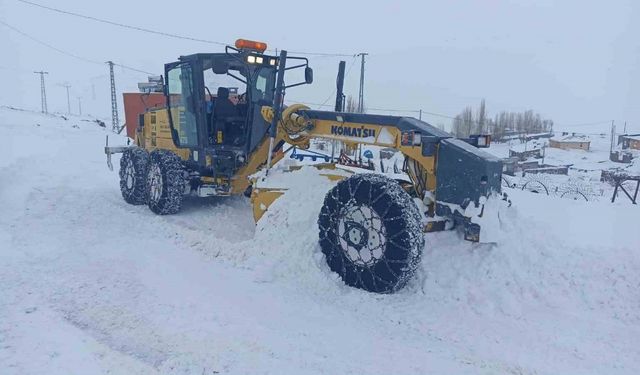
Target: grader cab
point(371, 229)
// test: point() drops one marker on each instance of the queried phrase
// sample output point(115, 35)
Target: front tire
point(371, 233)
point(133, 175)
point(165, 183)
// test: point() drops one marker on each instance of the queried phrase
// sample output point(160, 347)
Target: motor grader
point(372, 228)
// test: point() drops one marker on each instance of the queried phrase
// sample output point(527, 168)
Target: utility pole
point(420, 117)
point(361, 92)
point(79, 105)
point(43, 92)
point(67, 86)
point(115, 123)
point(613, 132)
point(625, 128)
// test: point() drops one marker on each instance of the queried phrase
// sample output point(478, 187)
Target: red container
point(135, 104)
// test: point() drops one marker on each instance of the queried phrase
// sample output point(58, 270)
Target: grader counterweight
point(371, 229)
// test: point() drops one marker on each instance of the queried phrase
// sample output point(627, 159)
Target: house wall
point(535, 153)
point(634, 144)
point(569, 145)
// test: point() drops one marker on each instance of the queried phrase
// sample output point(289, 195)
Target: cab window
point(264, 83)
point(182, 102)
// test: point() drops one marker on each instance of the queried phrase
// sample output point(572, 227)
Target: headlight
point(272, 62)
point(251, 59)
point(259, 60)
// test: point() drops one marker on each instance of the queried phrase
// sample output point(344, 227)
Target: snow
point(385, 137)
point(570, 138)
point(93, 285)
point(594, 159)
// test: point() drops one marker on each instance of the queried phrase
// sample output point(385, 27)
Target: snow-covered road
point(92, 285)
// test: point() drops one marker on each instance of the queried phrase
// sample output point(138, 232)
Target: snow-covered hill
point(92, 285)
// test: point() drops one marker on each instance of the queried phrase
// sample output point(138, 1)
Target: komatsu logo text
point(352, 132)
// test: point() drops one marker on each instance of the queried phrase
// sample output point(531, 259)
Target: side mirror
point(308, 75)
point(220, 67)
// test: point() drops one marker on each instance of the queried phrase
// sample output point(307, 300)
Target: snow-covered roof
point(569, 138)
point(528, 147)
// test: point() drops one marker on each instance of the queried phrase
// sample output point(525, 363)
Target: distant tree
point(457, 128)
point(527, 122)
point(469, 121)
point(482, 118)
point(351, 105)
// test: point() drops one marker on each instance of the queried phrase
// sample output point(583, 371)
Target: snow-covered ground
point(585, 168)
point(92, 285)
point(597, 158)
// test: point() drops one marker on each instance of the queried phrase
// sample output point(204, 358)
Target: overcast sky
point(574, 61)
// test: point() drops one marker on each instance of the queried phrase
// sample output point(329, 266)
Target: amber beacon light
point(250, 44)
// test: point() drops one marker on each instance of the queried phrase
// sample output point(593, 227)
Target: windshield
point(261, 91)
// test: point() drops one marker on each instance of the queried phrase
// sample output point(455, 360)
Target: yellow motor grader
point(371, 228)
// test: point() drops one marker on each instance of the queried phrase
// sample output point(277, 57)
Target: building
point(527, 150)
point(571, 141)
point(531, 137)
point(629, 141)
point(523, 155)
point(513, 165)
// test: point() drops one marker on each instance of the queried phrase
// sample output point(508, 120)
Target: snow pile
point(94, 285)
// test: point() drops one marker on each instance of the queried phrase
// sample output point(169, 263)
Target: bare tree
point(457, 125)
point(468, 121)
point(351, 105)
point(515, 123)
point(482, 118)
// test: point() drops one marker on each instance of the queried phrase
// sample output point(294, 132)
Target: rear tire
point(371, 233)
point(165, 182)
point(134, 165)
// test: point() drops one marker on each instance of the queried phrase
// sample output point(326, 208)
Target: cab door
point(185, 106)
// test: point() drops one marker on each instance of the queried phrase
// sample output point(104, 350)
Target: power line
point(586, 124)
point(321, 54)
point(163, 33)
point(90, 61)
point(334, 90)
point(47, 44)
point(113, 23)
point(393, 110)
point(133, 69)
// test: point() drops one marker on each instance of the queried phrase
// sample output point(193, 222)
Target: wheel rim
point(129, 175)
point(155, 183)
point(362, 235)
